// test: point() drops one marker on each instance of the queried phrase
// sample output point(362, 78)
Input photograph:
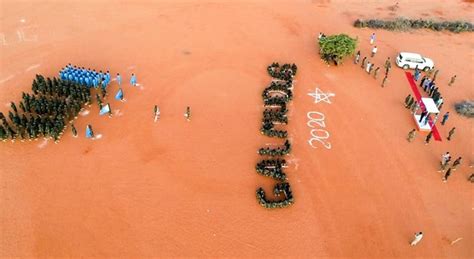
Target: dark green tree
point(336, 47)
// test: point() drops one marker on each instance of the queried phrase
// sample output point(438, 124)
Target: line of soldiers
point(275, 98)
point(369, 67)
point(46, 111)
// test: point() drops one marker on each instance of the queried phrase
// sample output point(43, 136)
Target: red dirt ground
point(177, 188)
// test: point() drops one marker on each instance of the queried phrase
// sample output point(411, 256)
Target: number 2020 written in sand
point(313, 123)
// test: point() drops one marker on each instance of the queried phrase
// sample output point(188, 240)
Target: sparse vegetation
point(465, 108)
point(403, 24)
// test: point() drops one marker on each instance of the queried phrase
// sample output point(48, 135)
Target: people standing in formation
point(156, 113)
point(357, 57)
point(411, 135)
point(417, 239)
point(85, 77)
point(372, 38)
point(46, 111)
point(451, 133)
point(451, 82)
point(187, 114)
point(445, 118)
point(374, 51)
point(276, 113)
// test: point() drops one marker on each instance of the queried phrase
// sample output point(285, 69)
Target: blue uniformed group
point(85, 77)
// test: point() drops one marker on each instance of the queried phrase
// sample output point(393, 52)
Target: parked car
point(408, 60)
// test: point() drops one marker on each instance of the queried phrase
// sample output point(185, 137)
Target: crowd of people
point(283, 187)
point(46, 112)
point(272, 168)
point(275, 98)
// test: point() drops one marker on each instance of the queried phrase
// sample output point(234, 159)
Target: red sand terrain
point(177, 188)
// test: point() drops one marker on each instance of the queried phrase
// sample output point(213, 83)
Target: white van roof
point(410, 55)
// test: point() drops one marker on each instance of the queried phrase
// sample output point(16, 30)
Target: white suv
point(408, 60)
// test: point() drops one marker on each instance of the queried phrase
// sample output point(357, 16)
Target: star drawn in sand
point(319, 96)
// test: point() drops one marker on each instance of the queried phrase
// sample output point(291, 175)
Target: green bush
point(465, 108)
point(337, 47)
point(403, 24)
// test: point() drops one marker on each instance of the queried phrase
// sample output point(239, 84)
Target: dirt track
point(177, 188)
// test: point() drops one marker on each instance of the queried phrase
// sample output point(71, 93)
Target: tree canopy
point(336, 47)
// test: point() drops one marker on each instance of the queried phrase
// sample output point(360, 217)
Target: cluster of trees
point(275, 98)
point(46, 111)
point(279, 188)
point(403, 24)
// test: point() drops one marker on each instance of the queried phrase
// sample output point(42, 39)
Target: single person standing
point(428, 137)
point(388, 65)
point(384, 81)
point(422, 115)
point(445, 118)
point(411, 135)
point(417, 73)
point(133, 80)
point(119, 79)
point(376, 72)
point(187, 115)
point(417, 239)
point(372, 38)
point(156, 112)
point(435, 75)
point(89, 131)
point(456, 163)
point(357, 57)
point(407, 100)
point(363, 62)
point(448, 173)
point(451, 133)
point(74, 131)
point(374, 51)
point(452, 80)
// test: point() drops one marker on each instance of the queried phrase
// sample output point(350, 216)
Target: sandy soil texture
point(178, 188)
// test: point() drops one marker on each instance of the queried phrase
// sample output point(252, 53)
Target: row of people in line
point(90, 77)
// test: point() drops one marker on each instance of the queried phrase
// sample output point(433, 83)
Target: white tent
point(426, 123)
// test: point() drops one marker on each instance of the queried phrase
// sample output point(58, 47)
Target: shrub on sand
point(465, 108)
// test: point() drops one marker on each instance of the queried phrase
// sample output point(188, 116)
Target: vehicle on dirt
point(408, 60)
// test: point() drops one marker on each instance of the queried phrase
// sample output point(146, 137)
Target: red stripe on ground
point(417, 94)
